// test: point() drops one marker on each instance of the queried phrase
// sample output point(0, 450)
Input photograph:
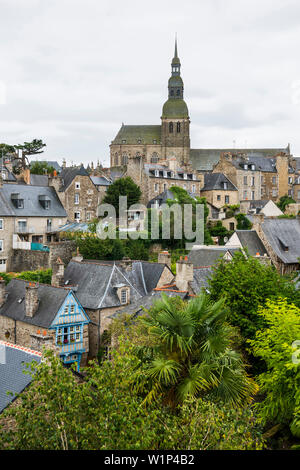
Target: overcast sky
point(71, 71)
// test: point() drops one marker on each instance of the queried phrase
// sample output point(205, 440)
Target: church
point(164, 151)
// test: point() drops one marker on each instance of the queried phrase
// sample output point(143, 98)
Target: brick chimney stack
point(31, 299)
point(58, 273)
point(184, 274)
point(2, 291)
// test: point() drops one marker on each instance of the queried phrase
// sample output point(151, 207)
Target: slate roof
point(50, 300)
point(201, 276)
point(12, 378)
point(39, 180)
point(205, 159)
point(281, 234)
point(132, 134)
point(95, 282)
point(216, 181)
point(161, 198)
point(261, 163)
point(68, 175)
point(206, 257)
point(32, 206)
point(150, 169)
point(250, 240)
point(9, 175)
point(146, 302)
point(100, 181)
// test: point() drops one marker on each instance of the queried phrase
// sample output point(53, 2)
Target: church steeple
point(176, 62)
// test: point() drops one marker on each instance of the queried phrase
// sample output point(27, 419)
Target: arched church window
point(171, 127)
point(172, 92)
point(178, 127)
point(116, 159)
point(178, 92)
point(154, 158)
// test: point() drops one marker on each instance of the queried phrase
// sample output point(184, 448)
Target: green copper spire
point(175, 107)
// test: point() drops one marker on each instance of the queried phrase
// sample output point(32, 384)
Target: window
point(154, 158)
point(178, 127)
point(253, 195)
point(231, 226)
point(156, 173)
point(77, 216)
point(274, 180)
point(77, 185)
point(274, 192)
point(1, 224)
point(172, 92)
point(245, 195)
point(1, 245)
point(76, 199)
point(72, 310)
point(171, 127)
point(124, 159)
point(252, 181)
point(245, 180)
point(88, 216)
point(49, 225)
point(116, 159)
point(225, 184)
point(156, 187)
point(178, 92)
point(69, 334)
point(245, 167)
point(124, 296)
point(20, 203)
point(123, 141)
point(218, 197)
point(139, 141)
point(290, 180)
point(155, 141)
point(193, 188)
point(226, 199)
point(253, 167)
point(22, 225)
point(47, 204)
point(66, 310)
point(185, 176)
point(165, 186)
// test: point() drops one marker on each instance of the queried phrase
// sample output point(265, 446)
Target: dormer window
point(45, 201)
point(156, 172)
point(225, 184)
point(185, 176)
point(155, 141)
point(77, 185)
point(245, 167)
point(165, 174)
point(172, 174)
point(123, 141)
point(17, 201)
point(139, 141)
point(253, 167)
point(194, 177)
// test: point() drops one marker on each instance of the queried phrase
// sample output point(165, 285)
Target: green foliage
point(104, 412)
point(284, 201)
point(31, 148)
point(41, 168)
point(218, 230)
point(6, 149)
point(243, 223)
point(245, 284)
point(122, 187)
point(43, 276)
point(92, 247)
point(231, 210)
point(280, 384)
point(191, 355)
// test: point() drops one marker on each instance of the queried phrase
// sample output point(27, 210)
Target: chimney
point(184, 274)
point(126, 264)
point(26, 175)
point(164, 257)
point(58, 273)
point(64, 163)
point(31, 299)
point(2, 291)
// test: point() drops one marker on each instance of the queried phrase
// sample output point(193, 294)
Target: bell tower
point(175, 117)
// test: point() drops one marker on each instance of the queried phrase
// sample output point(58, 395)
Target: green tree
point(6, 149)
point(284, 201)
point(280, 384)
point(103, 412)
point(41, 168)
point(122, 187)
point(243, 223)
point(191, 354)
point(246, 283)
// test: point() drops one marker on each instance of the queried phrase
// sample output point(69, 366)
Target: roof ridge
point(21, 348)
point(40, 283)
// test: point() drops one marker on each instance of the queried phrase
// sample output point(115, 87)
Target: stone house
point(77, 193)
point(257, 177)
point(247, 239)
point(101, 183)
point(36, 315)
point(29, 217)
point(281, 238)
point(219, 190)
point(103, 287)
point(266, 207)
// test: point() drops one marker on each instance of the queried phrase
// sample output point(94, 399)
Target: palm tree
point(191, 355)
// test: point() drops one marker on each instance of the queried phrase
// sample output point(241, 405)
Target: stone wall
point(29, 260)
